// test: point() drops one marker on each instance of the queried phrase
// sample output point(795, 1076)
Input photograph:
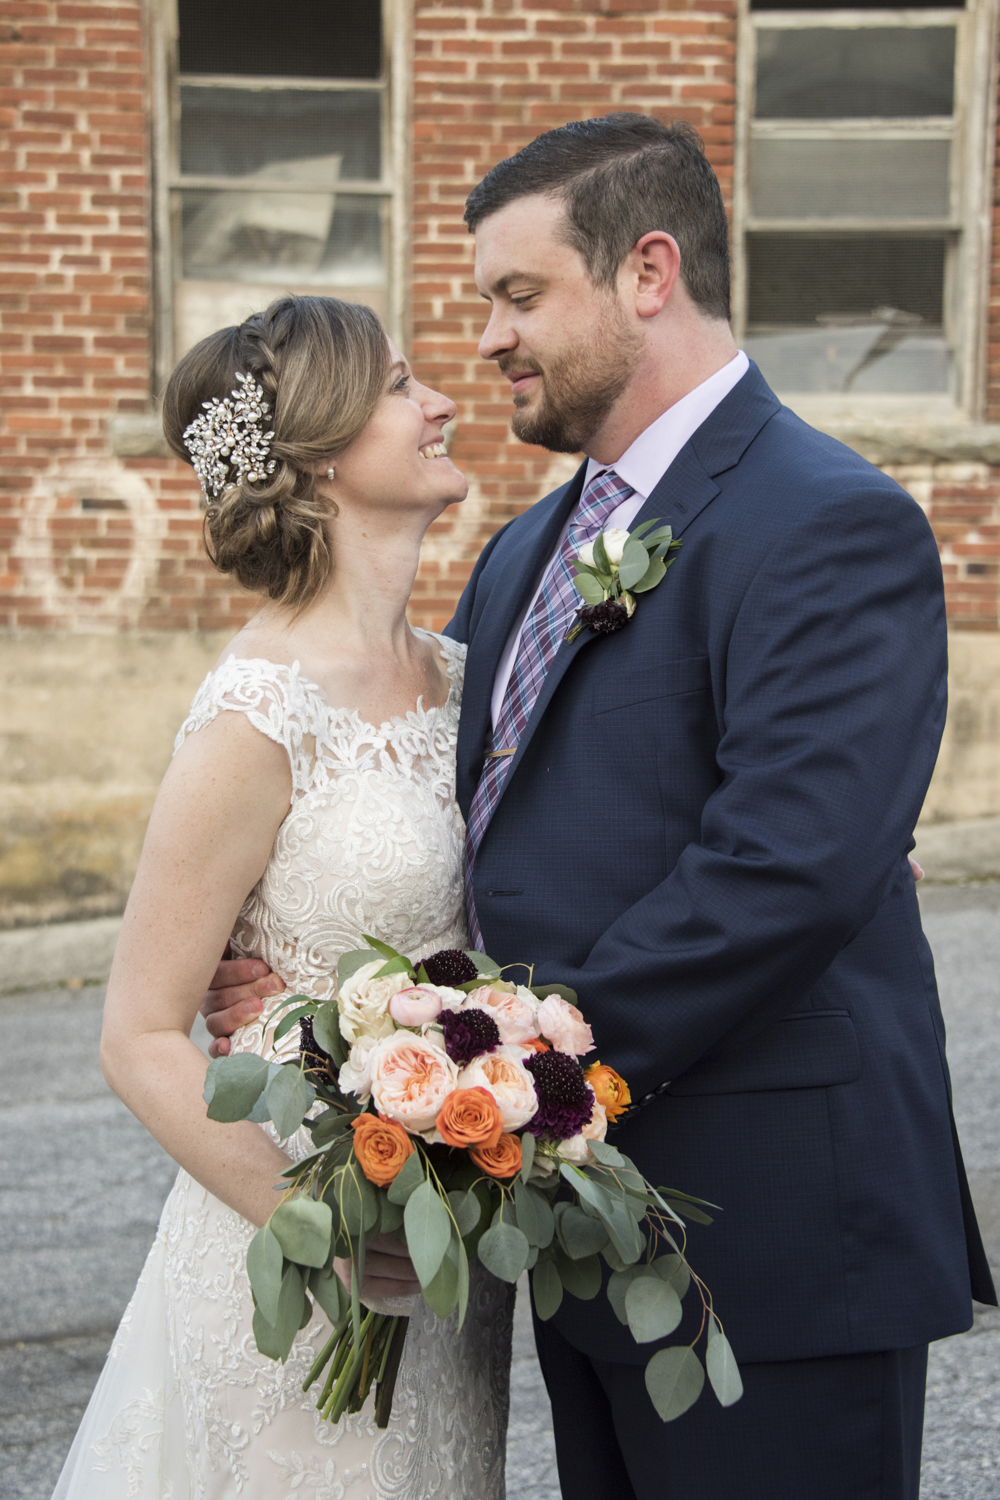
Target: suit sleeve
point(834, 704)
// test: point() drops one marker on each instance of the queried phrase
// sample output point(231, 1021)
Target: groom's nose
point(498, 336)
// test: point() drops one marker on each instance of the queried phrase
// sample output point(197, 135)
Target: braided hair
point(321, 365)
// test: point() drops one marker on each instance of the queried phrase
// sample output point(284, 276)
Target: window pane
point(850, 178)
point(274, 238)
point(243, 132)
point(856, 5)
point(850, 314)
point(830, 73)
point(295, 39)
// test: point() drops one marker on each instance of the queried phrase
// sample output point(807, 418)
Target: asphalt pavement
point(81, 1185)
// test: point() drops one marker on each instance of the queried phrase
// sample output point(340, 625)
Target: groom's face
point(567, 346)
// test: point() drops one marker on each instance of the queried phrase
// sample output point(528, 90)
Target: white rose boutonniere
point(616, 566)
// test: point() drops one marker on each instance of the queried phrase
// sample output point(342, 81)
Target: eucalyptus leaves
point(616, 566)
point(451, 1108)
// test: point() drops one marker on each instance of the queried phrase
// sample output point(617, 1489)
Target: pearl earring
point(330, 473)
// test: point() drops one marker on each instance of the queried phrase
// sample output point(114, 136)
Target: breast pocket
point(667, 680)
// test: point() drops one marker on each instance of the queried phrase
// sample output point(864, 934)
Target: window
point(863, 201)
point(277, 161)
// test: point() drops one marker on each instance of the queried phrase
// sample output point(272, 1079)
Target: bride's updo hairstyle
point(321, 365)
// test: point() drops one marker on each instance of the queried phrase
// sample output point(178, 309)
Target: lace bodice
point(373, 838)
point(187, 1409)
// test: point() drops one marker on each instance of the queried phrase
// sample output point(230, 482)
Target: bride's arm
point(209, 839)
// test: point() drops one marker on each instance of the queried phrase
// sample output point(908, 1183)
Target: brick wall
point(91, 542)
point(488, 78)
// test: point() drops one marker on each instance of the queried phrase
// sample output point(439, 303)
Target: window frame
point(394, 187)
point(968, 223)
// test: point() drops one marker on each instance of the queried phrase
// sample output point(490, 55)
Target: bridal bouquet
point(453, 1108)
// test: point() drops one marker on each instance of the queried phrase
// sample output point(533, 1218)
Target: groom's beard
point(578, 390)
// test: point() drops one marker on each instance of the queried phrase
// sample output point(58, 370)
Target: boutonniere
point(616, 566)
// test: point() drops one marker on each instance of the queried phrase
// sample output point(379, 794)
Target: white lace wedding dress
point(186, 1409)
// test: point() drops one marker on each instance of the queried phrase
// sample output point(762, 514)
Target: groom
point(701, 822)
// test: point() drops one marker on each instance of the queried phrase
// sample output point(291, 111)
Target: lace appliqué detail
point(372, 842)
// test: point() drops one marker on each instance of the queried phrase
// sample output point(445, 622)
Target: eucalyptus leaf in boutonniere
point(616, 566)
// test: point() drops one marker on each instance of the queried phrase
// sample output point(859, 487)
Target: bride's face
point(398, 459)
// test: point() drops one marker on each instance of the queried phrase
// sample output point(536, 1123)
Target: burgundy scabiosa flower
point(468, 1034)
point(316, 1060)
point(451, 967)
point(604, 618)
point(565, 1099)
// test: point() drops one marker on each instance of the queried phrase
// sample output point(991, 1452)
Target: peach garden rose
point(410, 1080)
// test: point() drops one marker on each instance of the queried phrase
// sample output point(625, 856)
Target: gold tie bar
point(496, 754)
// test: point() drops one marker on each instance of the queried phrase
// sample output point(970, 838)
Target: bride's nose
point(438, 408)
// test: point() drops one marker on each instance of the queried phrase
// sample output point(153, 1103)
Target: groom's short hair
point(622, 176)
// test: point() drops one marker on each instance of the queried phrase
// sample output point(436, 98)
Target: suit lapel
point(522, 568)
point(681, 495)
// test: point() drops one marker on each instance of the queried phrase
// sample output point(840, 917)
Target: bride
point(310, 800)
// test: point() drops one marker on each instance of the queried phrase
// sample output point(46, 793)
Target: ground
point(81, 1186)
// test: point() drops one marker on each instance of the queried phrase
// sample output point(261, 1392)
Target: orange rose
point(501, 1160)
point(381, 1147)
point(470, 1117)
point(536, 1044)
point(612, 1091)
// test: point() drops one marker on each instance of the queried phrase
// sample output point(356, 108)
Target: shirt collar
point(644, 462)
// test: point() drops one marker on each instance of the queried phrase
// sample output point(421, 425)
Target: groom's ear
point(652, 270)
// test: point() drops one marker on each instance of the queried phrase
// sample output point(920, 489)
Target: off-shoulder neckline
point(453, 652)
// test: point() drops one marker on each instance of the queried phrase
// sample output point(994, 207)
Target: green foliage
point(601, 561)
point(391, 1214)
point(233, 1085)
point(354, 1203)
point(534, 1216)
point(264, 1265)
point(289, 1095)
point(326, 1030)
point(488, 967)
point(653, 575)
point(328, 1126)
point(579, 1234)
point(350, 963)
point(467, 1210)
point(528, 1144)
point(394, 966)
point(689, 1210)
point(723, 1371)
point(581, 1278)
point(303, 1227)
point(546, 1288)
point(543, 991)
point(428, 1231)
point(634, 564)
point(588, 588)
point(289, 1019)
point(409, 1177)
point(612, 1209)
point(275, 1340)
point(403, 965)
point(607, 1155)
point(672, 1268)
point(618, 1285)
point(652, 1307)
point(674, 1380)
point(503, 1250)
point(331, 1294)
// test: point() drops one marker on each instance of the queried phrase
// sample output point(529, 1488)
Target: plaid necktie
point(541, 635)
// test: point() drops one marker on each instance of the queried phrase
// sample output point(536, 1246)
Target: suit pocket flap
point(689, 675)
point(807, 1050)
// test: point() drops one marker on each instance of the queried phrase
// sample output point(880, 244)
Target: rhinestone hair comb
point(228, 444)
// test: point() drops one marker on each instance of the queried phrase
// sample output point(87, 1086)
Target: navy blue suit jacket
point(705, 831)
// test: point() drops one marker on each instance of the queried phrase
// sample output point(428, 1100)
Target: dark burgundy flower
point(316, 1060)
point(565, 1100)
point(451, 966)
point(468, 1034)
point(604, 618)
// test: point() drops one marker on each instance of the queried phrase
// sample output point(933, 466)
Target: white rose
point(586, 554)
point(614, 543)
point(576, 1150)
point(503, 1074)
point(355, 1076)
point(363, 1001)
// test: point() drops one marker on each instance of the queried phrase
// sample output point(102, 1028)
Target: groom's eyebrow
point(505, 282)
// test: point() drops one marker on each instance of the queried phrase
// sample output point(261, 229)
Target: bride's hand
point(388, 1270)
point(236, 996)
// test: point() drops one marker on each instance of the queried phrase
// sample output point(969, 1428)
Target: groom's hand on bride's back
point(237, 994)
